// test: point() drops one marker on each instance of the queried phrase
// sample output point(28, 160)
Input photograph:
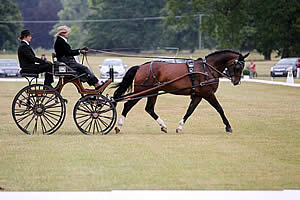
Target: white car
point(9, 67)
point(115, 63)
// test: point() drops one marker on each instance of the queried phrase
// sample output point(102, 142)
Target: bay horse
point(202, 83)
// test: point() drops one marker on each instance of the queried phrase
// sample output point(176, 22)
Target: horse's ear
point(245, 56)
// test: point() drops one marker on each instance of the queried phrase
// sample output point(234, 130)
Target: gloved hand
point(85, 48)
point(82, 51)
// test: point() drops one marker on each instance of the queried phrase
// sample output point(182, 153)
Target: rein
point(136, 96)
point(137, 56)
point(132, 56)
point(213, 68)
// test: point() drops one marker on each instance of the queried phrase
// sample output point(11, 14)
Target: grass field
point(261, 154)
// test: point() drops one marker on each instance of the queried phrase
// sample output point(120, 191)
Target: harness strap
point(221, 73)
point(150, 72)
point(191, 68)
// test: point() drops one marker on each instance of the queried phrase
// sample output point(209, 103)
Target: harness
point(151, 73)
point(191, 68)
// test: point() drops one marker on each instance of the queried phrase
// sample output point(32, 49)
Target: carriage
point(39, 109)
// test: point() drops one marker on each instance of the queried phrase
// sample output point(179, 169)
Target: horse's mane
point(223, 51)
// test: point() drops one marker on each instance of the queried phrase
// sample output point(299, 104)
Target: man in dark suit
point(28, 60)
point(65, 54)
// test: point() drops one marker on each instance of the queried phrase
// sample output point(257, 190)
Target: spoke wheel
point(38, 109)
point(94, 114)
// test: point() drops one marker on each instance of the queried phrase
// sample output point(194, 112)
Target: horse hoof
point(228, 129)
point(178, 130)
point(163, 129)
point(117, 130)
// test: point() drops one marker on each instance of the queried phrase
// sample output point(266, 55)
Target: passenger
point(65, 54)
point(28, 60)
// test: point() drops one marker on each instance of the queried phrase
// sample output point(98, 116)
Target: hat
point(24, 33)
point(62, 29)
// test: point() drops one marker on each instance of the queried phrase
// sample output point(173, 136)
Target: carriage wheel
point(38, 109)
point(94, 114)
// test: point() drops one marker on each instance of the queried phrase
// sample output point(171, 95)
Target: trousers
point(91, 78)
point(81, 69)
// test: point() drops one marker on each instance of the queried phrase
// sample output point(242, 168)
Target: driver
point(65, 54)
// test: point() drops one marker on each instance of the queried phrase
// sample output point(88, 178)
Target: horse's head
point(235, 68)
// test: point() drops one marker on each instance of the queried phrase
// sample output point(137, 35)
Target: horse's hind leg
point(150, 109)
point(193, 105)
point(212, 100)
point(127, 107)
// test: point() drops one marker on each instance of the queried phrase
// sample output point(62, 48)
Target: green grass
point(261, 154)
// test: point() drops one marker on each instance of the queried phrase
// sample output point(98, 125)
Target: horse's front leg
point(127, 107)
point(212, 100)
point(193, 105)
point(150, 109)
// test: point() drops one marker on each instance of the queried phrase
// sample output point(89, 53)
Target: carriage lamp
point(62, 69)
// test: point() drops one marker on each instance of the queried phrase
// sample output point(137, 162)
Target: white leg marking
point(181, 123)
point(121, 122)
point(161, 123)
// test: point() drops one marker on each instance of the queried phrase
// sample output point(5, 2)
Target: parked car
point(118, 66)
point(284, 66)
point(9, 67)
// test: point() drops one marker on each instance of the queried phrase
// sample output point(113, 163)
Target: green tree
point(10, 31)
point(223, 20)
point(128, 33)
point(265, 25)
point(277, 27)
point(33, 10)
point(74, 10)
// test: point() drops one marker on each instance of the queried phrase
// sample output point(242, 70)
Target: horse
point(178, 79)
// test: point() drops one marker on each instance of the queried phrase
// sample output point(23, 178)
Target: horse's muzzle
point(235, 81)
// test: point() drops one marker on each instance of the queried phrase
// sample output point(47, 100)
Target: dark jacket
point(63, 51)
point(27, 57)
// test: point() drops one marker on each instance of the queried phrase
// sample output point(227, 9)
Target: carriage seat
point(61, 69)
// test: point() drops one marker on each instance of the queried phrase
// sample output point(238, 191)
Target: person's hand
point(85, 48)
point(48, 62)
point(82, 51)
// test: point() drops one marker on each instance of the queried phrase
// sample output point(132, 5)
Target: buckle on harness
point(191, 65)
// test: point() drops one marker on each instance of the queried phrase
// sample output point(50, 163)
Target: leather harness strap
point(191, 68)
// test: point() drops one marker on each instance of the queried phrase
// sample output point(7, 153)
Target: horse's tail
point(126, 84)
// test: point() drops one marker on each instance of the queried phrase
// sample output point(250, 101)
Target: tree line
point(263, 25)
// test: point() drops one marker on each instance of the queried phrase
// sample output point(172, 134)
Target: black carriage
point(40, 109)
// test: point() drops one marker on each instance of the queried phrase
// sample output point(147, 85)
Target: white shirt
point(65, 39)
point(25, 42)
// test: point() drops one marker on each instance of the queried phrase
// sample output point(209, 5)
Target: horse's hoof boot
point(117, 130)
point(163, 129)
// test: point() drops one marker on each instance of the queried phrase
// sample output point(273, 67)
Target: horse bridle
point(235, 62)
